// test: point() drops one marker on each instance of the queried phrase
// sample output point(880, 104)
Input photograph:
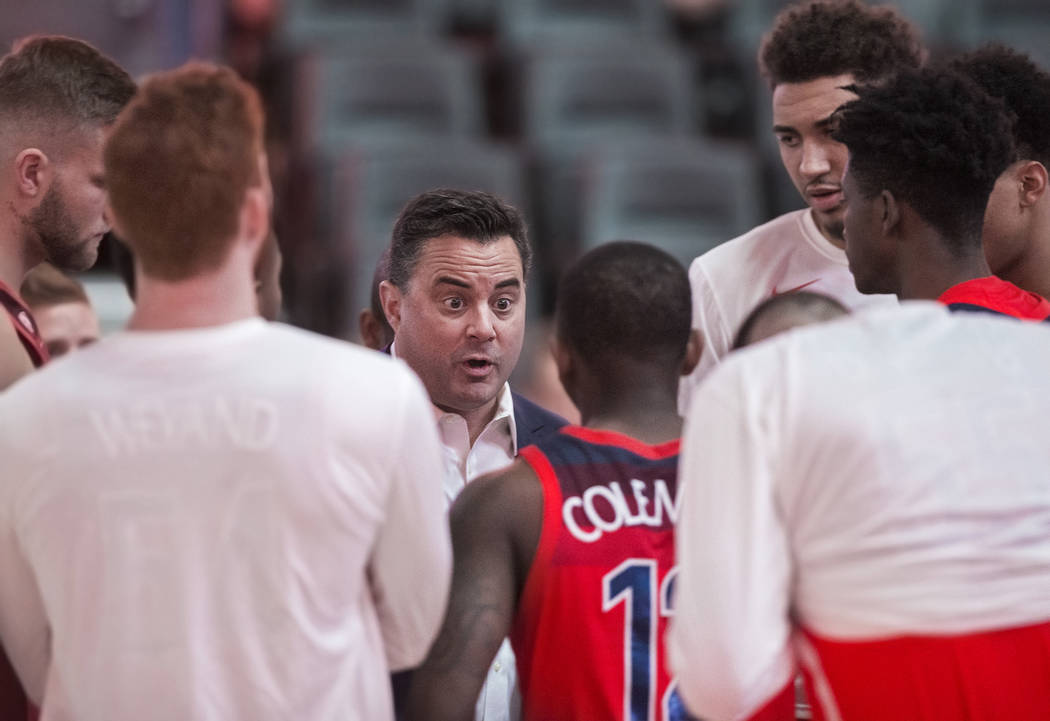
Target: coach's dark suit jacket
point(531, 421)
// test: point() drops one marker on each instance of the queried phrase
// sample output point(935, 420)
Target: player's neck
point(1032, 269)
point(933, 269)
point(16, 257)
point(646, 412)
point(198, 302)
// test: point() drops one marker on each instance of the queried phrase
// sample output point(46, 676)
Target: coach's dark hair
point(802, 305)
point(473, 215)
point(625, 300)
point(825, 38)
point(51, 81)
point(936, 141)
point(1025, 88)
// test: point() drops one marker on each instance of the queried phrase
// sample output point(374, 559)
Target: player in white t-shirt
point(812, 53)
point(208, 516)
point(869, 499)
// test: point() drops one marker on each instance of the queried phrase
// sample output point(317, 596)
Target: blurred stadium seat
point(573, 93)
point(383, 95)
point(367, 189)
point(530, 21)
point(685, 196)
point(347, 21)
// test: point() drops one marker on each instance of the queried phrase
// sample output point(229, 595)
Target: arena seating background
point(601, 119)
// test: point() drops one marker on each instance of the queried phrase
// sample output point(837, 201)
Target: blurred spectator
point(62, 310)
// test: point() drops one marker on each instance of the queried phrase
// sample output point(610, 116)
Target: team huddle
point(808, 479)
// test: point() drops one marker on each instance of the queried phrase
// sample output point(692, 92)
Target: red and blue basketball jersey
point(589, 633)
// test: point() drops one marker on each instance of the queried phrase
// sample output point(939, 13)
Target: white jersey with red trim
point(237, 522)
point(870, 499)
point(786, 254)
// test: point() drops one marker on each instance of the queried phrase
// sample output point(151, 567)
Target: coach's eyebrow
point(448, 280)
point(509, 283)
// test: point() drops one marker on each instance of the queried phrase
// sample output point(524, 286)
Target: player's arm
point(709, 322)
point(728, 642)
point(14, 361)
point(496, 523)
point(411, 562)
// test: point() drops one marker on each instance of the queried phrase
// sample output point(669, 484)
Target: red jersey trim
point(612, 438)
point(550, 530)
point(24, 324)
point(999, 295)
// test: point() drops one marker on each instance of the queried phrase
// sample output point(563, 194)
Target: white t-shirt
point(238, 522)
point(787, 253)
point(878, 476)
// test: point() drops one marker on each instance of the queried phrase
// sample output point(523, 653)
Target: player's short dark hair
point(935, 140)
point(50, 82)
point(824, 38)
point(473, 215)
point(625, 300)
point(1025, 88)
point(803, 305)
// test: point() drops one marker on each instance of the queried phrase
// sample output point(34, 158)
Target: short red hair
point(178, 163)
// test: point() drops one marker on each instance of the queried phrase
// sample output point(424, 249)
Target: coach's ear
point(390, 299)
point(891, 215)
point(694, 347)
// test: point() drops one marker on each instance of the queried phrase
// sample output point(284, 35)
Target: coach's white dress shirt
point(494, 450)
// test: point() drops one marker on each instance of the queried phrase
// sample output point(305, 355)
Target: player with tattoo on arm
point(570, 550)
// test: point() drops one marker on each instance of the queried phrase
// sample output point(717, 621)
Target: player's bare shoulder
point(14, 361)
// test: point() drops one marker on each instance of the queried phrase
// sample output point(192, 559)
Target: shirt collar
point(504, 408)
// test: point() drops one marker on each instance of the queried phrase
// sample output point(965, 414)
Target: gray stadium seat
point(685, 196)
point(1021, 24)
point(944, 23)
point(368, 189)
point(529, 21)
point(385, 96)
point(308, 21)
point(574, 94)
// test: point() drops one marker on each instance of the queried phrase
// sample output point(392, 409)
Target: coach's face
point(803, 121)
point(460, 321)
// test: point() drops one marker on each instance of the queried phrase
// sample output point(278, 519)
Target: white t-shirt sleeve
point(24, 628)
point(715, 334)
point(729, 640)
point(411, 565)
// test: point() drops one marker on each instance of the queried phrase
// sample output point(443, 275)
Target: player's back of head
point(786, 311)
point(51, 85)
point(936, 141)
point(825, 38)
point(1023, 86)
point(179, 162)
point(625, 302)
